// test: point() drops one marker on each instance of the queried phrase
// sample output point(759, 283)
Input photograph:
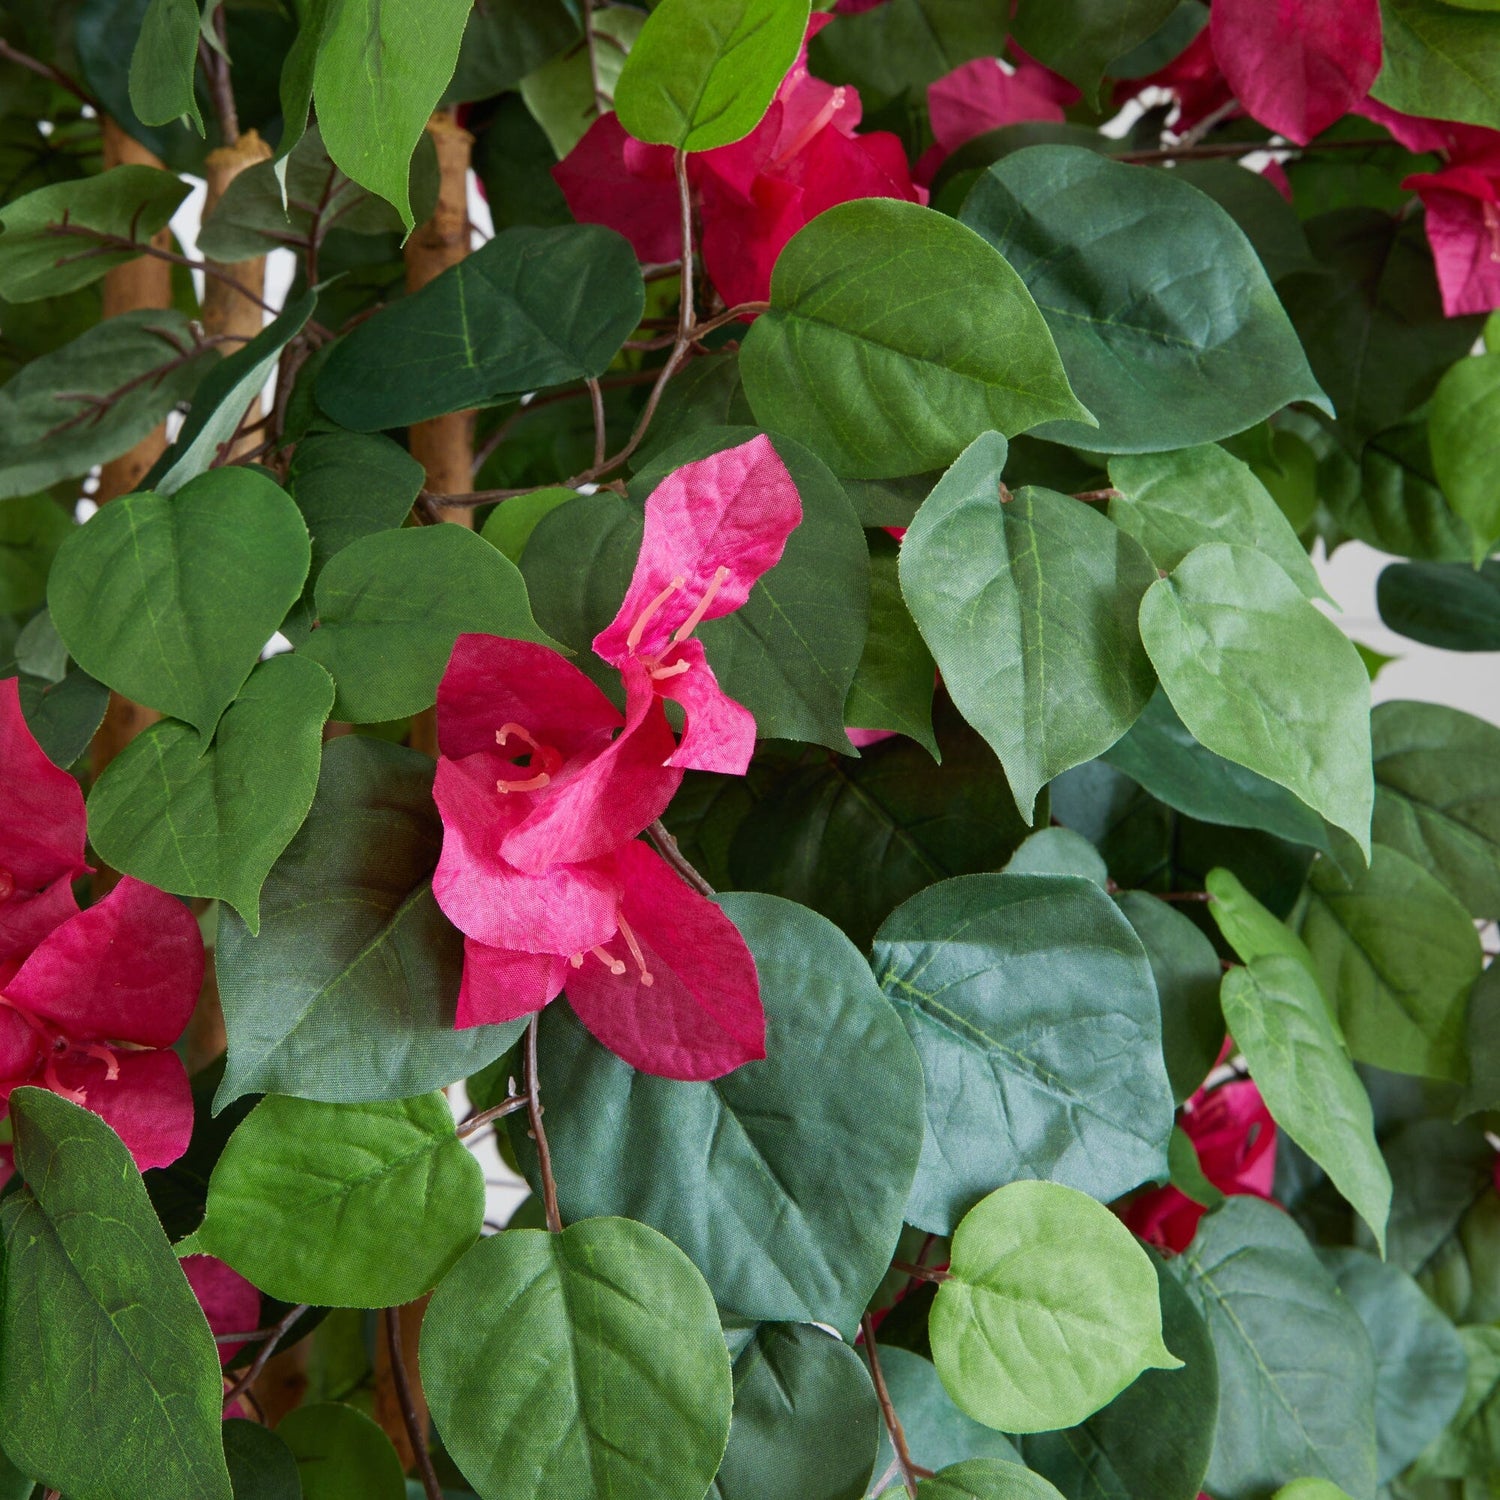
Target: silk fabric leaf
point(1462, 426)
point(1441, 62)
point(937, 1432)
point(1449, 605)
point(261, 1466)
point(895, 337)
point(1166, 323)
point(983, 1479)
point(164, 64)
point(32, 528)
point(1081, 38)
point(564, 95)
point(905, 44)
point(341, 1454)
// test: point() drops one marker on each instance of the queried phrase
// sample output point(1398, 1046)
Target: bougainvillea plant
point(714, 610)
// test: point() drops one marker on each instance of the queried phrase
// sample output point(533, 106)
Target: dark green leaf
point(1057, 851)
point(169, 600)
point(1438, 1172)
point(628, 1388)
point(504, 41)
point(1011, 1026)
point(532, 308)
point(32, 528)
point(1449, 605)
point(341, 1454)
point(110, 1385)
point(895, 337)
point(937, 1432)
point(793, 1213)
point(62, 716)
point(1251, 199)
point(1081, 38)
point(1161, 313)
point(906, 44)
point(164, 64)
point(349, 992)
point(1440, 61)
point(1484, 1042)
point(261, 1466)
point(212, 822)
point(982, 1479)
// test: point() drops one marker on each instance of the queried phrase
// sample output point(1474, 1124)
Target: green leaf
point(507, 39)
point(1187, 1171)
point(1029, 608)
point(1449, 605)
point(906, 44)
point(212, 822)
point(1310, 1489)
point(892, 688)
point(805, 1419)
point(1462, 424)
point(1057, 851)
point(94, 398)
point(1420, 1362)
point(1371, 318)
point(1164, 318)
point(341, 1454)
point(349, 992)
point(1081, 38)
point(390, 606)
point(628, 1385)
point(1438, 1172)
point(380, 70)
point(983, 1479)
point(32, 528)
point(1397, 955)
point(1296, 1371)
point(1467, 1449)
point(1484, 1042)
point(63, 716)
point(1437, 796)
point(510, 525)
point(937, 1432)
point(344, 1205)
point(562, 95)
point(110, 1387)
point(125, 203)
point(164, 64)
point(1186, 970)
point(1220, 631)
point(1153, 1441)
point(1248, 928)
point(1440, 61)
point(895, 337)
point(261, 1466)
point(794, 1213)
point(532, 308)
point(1049, 1311)
point(1008, 1023)
point(1173, 502)
point(701, 76)
point(1270, 222)
point(169, 600)
point(1281, 1022)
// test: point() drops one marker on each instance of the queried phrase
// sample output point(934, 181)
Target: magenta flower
point(983, 95)
point(229, 1302)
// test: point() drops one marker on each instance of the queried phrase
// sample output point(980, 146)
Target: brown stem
point(267, 1349)
point(409, 1416)
point(53, 75)
point(215, 63)
point(539, 1134)
point(919, 1273)
point(1183, 896)
point(668, 848)
point(887, 1409)
point(1097, 495)
point(596, 396)
point(482, 1117)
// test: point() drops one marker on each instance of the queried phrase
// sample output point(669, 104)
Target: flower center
point(543, 760)
point(683, 631)
point(56, 1046)
point(616, 966)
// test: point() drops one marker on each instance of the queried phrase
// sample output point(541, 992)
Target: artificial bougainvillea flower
point(1297, 65)
point(1235, 1138)
point(41, 836)
point(984, 95)
point(93, 1010)
point(712, 528)
point(1194, 77)
point(803, 158)
point(229, 1302)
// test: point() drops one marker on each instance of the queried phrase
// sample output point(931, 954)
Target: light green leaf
point(349, 992)
point(32, 528)
point(1008, 984)
point(1081, 38)
point(128, 203)
point(110, 1387)
point(561, 94)
point(795, 1211)
point(532, 308)
point(1310, 1489)
point(1296, 1371)
point(391, 605)
point(163, 67)
point(1440, 61)
point(1220, 632)
point(1397, 955)
point(169, 600)
point(1049, 1311)
point(1248, 927)
point(1187, 1171)
point(344, 1205)
point(984, 1479)
point(1164, 318)
point(1462, 425)
point(1029, 608)
point(1437, 796)
point(1173, 502)
point(702, 75)
point(1281, 1022)
point(380, 69)
point(510, 525)
point(341, 1454)
point(895, 338)
point(212, 822)
point(628, 1387)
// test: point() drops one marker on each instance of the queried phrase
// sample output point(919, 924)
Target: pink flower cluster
point(544, 786)
point(90, 1001)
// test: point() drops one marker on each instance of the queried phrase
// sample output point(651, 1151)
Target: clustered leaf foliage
point(775, 693)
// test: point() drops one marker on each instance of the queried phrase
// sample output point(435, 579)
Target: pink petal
point(565, 909)
point(500, 985)
point(610, 179)
point(719, 734)
point(732, 511)
point(981, 96)
point(28, 916)
point(1463, 228)
point(20, 1047)
point(1297, 65)
point(127, 969)
point(229, 1302)
point(701, 1016)
point(1194, 77)
point(149, 1104)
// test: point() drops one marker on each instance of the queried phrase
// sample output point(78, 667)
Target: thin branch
point(1182, 895)
point(1210, 122)
point(263, 1358)
point(887, 1409)
point(1091, 495)
point(602, 102)
point(596, 396)
point(919, 1273)
point(215, 64)
point(51, 74)
point(414, 1433)
point(482, 1117)
point(539, 1134)
point(667, 847)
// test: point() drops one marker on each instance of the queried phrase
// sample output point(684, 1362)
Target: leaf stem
point(538, 1132)
point(51, 74)
point(267, 1349)
point(596, 396)
point(482, 1117)
point(418, 1438)
point(887, 1409)
point(667, 847)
